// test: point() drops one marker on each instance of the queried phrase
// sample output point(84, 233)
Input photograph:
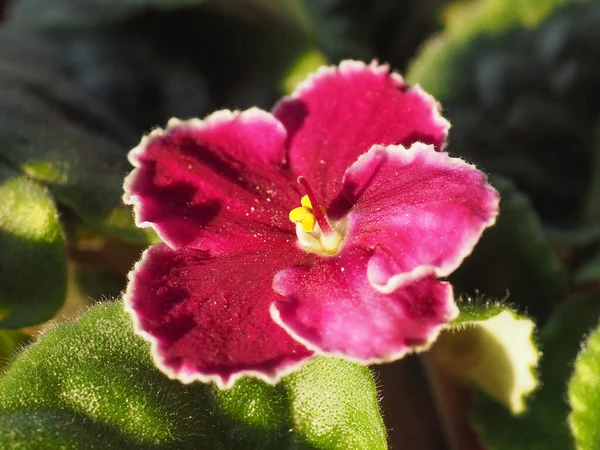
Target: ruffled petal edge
point(188, 375)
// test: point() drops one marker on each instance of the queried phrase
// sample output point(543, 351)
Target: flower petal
point(208, 317)
point(210, 178)
point(417, 208)
point(339, 113)
point(333, 309)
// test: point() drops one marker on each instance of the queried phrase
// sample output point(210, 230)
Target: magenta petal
point(333, 309)
point(208, 317)
point(341, 112)
point(416, 208)
point(200, 180)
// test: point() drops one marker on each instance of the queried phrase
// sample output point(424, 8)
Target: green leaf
point(55, 133)
point(492, 346)
point(584, 395)
point(474, 310)
point(465, 22)
point(514, 257)
point(92, 384)
point(33, 265)
point(544, 425)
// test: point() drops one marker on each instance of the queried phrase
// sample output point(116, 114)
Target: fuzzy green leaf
point(33, 265)
point(514, 258)
point(92, 384)
point(584, 395)
point(474, 310)
point(544, 425)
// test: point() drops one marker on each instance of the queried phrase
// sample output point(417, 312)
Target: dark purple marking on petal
point(208, 317)
point(332, 308)
point(339, 113)
point(198, 180)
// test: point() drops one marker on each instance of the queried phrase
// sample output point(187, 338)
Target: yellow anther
point(308, 223)
point(304, 215)
point(326, 238)
point(305, 201)
point(299, 213)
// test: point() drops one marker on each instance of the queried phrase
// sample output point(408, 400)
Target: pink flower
point(258, 272)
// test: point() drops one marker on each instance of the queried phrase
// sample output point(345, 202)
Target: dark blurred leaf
point(138, 74)
point(361, 29)
point(59, 135)
point(591, 211)
point(589, 272)
point(99, 284)
point(156, 66)
point(92, 384)
point(544, 425)
point(73, 101)
point(467, 21)
point(245, 64)
point(10, 343)
point(391, 30)
point(513, 257)
point(525, 103)
point(33, 266)
point(85, 12)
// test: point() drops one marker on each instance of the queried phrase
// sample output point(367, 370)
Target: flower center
point(315, 232)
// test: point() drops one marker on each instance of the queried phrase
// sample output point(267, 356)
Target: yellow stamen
point(305, 201)
point(308, 223)
point(299, 213)
point(304, 215)
point(326, 238)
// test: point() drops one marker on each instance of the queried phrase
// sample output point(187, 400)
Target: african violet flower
point(320, 228)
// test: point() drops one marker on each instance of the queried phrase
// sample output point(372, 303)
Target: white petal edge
point(216, 118)
point(187, 375)
point(406, 156)
point(348, 67)
point(391, 357)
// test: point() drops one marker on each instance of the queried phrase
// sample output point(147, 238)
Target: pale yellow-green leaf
point(496, 353)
